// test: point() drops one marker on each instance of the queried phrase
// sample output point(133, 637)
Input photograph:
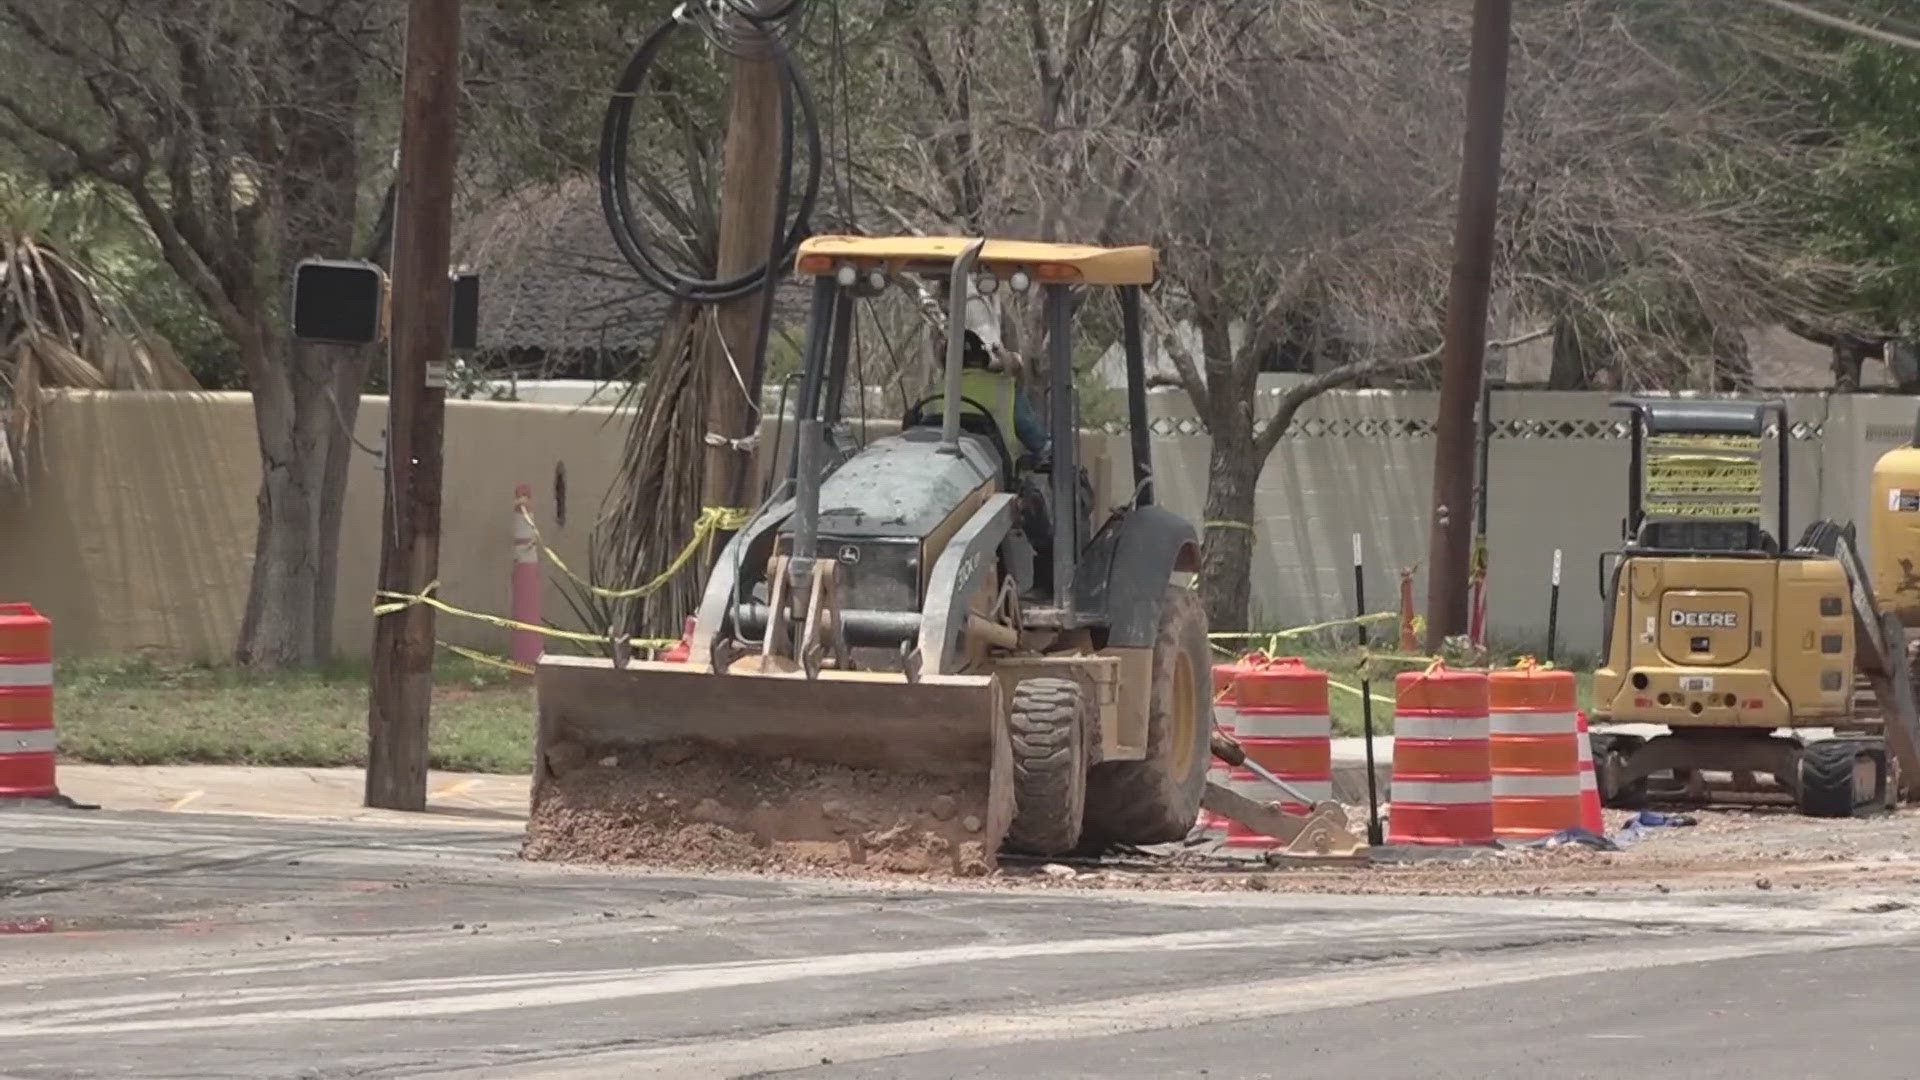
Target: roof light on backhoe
point(988, 283)
point(847, 275)
point(1020, 281)
point(815, 264)
point(1056, 273)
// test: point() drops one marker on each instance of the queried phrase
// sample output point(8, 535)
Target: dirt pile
point(693, 807)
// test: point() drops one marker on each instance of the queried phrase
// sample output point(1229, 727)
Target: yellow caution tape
point(488, 659)
point(1704, 442)
point(1271, 639)
point(1728, 463)
point(1727, 511)
point(1397, 658)
point(1355, 691)
point(1690, 480)
point(713, 519)
point(1264, 635)
point(398, 602)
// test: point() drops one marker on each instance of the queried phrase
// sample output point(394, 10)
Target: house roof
point(552, 279)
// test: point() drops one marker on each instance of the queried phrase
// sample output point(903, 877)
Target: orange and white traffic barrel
point(1442, 790)
point(1283, 724)
point(1224, 718)
point(1535, 736)
point(26, 704)
point(1590, 817)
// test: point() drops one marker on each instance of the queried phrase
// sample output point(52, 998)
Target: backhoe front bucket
point(673, 763)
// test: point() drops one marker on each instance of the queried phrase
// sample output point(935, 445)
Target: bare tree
point(1649, 216)
point(233, 129)
point(1294, 162)
point(1274, 152)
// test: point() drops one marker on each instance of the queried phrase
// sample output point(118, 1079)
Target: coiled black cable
point(742, 27)
point(796, 102)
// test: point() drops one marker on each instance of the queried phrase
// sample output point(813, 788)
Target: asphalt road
point(200, 946)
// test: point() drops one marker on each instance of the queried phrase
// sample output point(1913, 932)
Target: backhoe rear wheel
point(1048, 726)
point(1156, 800)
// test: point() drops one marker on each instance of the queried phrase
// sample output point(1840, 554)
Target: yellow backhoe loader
point(929, 605)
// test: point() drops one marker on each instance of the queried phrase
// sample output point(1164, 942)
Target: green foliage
point(1099, 404)
point(93, 223)
point(1866, 199)
point(158, 298)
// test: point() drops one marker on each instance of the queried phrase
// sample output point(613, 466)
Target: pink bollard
point(526, 646)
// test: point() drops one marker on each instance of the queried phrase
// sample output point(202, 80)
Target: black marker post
point(1366, 697)
point(1553, 606)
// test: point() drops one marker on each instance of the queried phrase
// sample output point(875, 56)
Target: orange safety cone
point(1590, 817)
point(681, 651)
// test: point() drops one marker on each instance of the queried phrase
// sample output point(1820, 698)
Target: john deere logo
point(1711, 620)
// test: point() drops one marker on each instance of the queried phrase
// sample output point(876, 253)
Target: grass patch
point(134, 712)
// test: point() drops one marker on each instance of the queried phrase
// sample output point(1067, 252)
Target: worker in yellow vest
point(986, 382)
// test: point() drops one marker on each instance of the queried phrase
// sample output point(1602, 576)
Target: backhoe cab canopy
point(1694, 483)
point(1059, 264)
point(1738, 418)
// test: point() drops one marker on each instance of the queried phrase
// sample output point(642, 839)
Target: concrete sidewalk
point(1350, 768)
point(298, 794)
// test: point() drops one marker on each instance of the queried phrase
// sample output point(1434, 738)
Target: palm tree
point(62, 325)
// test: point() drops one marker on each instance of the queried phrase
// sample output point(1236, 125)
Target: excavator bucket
point(847, 767)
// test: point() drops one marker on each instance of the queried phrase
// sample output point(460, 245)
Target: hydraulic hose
point(796, 102)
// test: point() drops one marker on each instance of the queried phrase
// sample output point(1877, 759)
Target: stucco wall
point(1362, 462)
point(138, 534)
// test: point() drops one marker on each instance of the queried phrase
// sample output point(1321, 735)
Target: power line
point(1850, 26)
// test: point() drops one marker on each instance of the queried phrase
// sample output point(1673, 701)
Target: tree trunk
point(1732, 361)
point(1569, 367)
point(305, 443)
point(344, 410)
point(1226, 560)
point(1233, 474)
point(1849, 355)
point(278, 628)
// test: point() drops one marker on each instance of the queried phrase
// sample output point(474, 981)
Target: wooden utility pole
point(402, 691)
point(748, 185)
point(1464, 355)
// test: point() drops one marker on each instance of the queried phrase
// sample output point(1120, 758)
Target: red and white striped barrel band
point(1263, 723)
point(1430, 792)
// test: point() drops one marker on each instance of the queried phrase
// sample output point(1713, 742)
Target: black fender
point(1123, 574)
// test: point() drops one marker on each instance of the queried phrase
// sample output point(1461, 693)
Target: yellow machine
point(1725, 637)
point(924, 605)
